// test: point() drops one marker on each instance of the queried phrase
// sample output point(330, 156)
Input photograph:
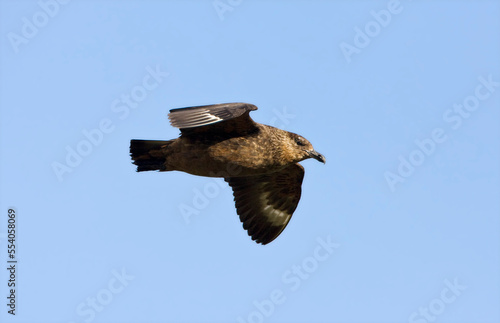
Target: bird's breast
point(227, 157)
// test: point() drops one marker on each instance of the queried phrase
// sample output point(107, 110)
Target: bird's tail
point(149, 154)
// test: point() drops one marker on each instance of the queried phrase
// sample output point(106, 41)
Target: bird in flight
point(259, 162)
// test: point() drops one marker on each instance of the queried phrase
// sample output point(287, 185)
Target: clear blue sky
point(401, 224)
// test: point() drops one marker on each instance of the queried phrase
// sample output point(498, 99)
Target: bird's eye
point(300, 141)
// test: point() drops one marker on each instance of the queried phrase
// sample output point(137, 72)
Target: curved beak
point(314, 154)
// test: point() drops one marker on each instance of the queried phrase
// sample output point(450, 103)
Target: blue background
point(400, 246)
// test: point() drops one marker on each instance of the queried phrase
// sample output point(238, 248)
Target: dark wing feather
point(226, 117)
point(265, 203)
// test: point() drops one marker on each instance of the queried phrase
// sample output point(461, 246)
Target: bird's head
point(303, 148)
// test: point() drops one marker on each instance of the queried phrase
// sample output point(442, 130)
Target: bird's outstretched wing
point(225, 117)
point(265, 203)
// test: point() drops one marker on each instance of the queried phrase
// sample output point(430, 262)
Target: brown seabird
point(259, 162)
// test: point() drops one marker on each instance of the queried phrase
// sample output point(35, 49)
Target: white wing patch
point(191, 119)
point(273, 215)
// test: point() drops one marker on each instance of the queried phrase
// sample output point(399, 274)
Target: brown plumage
point(259, 162)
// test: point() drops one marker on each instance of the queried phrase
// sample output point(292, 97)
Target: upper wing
point(265, 203)
point(226, 117)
